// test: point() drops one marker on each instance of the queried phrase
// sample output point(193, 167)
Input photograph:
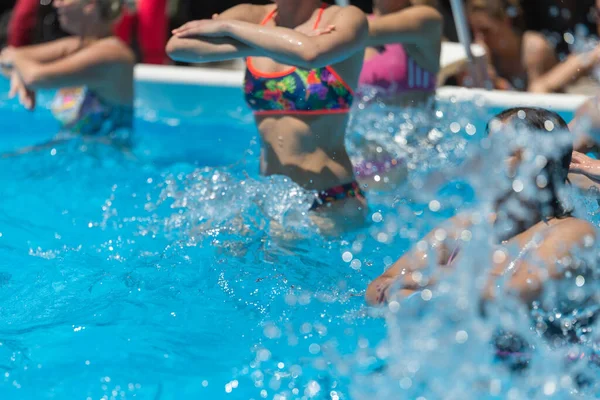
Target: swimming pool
point(156, 277)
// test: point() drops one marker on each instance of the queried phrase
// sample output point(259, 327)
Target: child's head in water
point(543, 146)
point(83, 17)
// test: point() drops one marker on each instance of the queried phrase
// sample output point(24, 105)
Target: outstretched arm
point(282, 44)
point(209, 49)
point(413, 25)
point(565, 73)
point(586, 126)
point(42, 53)
point(571, 241)
point(90, 66)
point(441, 243)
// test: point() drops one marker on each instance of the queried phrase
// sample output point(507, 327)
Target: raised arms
point(90, 66)
point(208, 49)
point(42, 53)
point(284, 45)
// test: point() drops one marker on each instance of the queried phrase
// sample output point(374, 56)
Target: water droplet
point(377, 217)
point(347, 256)
point(426, 295)
point(434, 205)
point(549, 388)
point(394, 306)
point(518, 186)
point(461, 337)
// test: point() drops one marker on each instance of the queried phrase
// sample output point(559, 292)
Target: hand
point(7, 54)
point(582, 164)
point(316, 32)
point(203, 28)
point(17, 88)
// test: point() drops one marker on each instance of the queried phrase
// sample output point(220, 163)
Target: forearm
point(288, 46)
point(281, 44)
point(34, 76)
point(574, 67)
point(204, 50)
point(52, 51)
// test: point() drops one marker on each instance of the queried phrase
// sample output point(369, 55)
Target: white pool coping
point(198, 76)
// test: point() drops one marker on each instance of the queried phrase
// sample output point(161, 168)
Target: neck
point(291, 14)
point(512, 50)
point(96, 31)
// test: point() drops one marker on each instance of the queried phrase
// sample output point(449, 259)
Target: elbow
point(175, 50)
point(180, 50)
point(310, 58)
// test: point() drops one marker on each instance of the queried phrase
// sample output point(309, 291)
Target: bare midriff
point(310, 150)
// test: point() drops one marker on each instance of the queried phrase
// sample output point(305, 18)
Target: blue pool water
point(156, 277)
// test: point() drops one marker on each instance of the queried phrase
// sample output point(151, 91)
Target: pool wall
point(176, 89)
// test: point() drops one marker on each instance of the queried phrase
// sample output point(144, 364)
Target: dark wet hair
point(556, 168)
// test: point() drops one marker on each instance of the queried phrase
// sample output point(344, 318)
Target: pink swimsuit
point(396, 72)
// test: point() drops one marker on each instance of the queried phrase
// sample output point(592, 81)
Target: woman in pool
point(93, 72)
point(402, 60)
point(543, 216)
point(300, 84)
point(518, 59)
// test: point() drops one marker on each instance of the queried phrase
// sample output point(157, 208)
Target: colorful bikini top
point(395, 71)
point(296, 91)
point(81, 111)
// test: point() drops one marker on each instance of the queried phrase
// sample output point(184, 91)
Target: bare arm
point(90, 66)
point(565, 73)
point(586, 126)
point(282, 44)
point(531, 273)
point(207, 49)
point(294, 48)
point(44, 52)
point(414, 25)
point(441, 242)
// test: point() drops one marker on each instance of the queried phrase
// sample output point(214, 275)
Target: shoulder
point(568, 234)
point(574, 227)
point(113, 50)
point(248, 12)
point(536, 46)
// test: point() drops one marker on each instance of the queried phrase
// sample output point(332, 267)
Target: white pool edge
point(234, 78)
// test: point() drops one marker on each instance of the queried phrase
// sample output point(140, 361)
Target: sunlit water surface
point(160, 276)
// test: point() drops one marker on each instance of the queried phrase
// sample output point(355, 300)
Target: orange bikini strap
point(269, 16)
point(321, 11)
point(317, 22)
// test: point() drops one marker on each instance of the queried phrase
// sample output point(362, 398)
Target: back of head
point(548, 126)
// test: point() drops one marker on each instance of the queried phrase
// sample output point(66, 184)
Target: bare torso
point(308, 149)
